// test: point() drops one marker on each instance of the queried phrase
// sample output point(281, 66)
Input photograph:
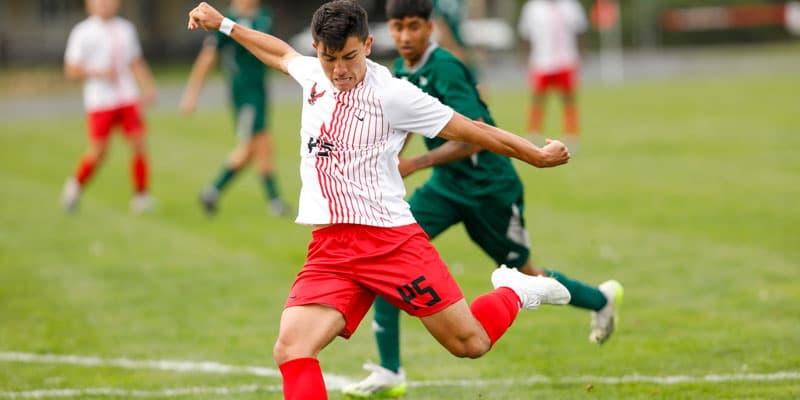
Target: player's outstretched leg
point(470, 331)
point(604, 320)
point(73, 187)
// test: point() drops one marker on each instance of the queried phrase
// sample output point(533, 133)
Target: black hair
point(334, 22)
point(399, 9)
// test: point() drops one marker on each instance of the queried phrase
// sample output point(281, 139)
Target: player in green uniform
point(477, 188)
point(246, 77)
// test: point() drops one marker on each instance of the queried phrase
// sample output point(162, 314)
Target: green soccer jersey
point(246, 73)
point(443, 76)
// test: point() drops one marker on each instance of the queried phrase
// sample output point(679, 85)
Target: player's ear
point(368, 45)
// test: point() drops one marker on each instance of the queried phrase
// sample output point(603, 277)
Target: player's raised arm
point(273, 52)
point(502, 142)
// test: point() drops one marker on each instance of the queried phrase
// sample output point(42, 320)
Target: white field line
point(210, 367)
point(135, 393)
point(334, 382)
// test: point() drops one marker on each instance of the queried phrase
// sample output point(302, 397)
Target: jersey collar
point(424, 60)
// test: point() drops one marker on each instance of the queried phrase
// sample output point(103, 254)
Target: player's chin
point(344, 83)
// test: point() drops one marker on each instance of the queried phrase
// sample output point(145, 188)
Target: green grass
point(685, 190)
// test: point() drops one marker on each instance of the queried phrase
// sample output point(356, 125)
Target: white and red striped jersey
point(97, 45)
point(552, 26)
point(350, 141)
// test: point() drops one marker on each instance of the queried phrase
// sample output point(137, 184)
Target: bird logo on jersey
point(313, 96)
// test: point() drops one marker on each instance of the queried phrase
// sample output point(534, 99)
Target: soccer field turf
point(684, 190)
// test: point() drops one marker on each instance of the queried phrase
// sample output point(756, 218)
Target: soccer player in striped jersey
point(104, 52)
point(474, 187)
point(365, 242)
point(246, 77)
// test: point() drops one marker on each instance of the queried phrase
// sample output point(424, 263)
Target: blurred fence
point(35, 31)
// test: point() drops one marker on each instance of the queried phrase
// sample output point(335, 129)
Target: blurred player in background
point(249, 96)
point(103, 51)
point(468, 185)
point(355, 119)
point(552, 28)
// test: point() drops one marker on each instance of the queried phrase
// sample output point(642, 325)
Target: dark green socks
point(270, 186)
point(224, 178)
point(583, 295)
point(387, 334)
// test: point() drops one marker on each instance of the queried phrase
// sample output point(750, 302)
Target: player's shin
point(387, 334)
point(302, 379)
point(496, 311)
point(583, 295)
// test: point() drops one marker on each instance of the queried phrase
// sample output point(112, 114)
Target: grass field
point(685, 190)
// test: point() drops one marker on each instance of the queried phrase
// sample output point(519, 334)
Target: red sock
point(302, 379)
point(85, 169)
point(139, 172)
point(570, 119)
point(496, 311)
point(535, 118)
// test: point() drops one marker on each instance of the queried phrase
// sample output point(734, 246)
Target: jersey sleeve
point(75, 52)
point(410, 109)
point(579, 22)
point(456, 90)
point(134, 46)
point(301, 67)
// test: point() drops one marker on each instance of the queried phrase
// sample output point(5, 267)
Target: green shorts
point(497, 227)
point(250, 115)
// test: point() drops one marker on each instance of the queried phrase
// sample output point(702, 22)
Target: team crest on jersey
point(314, 96)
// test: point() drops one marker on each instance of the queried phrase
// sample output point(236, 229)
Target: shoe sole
point(390, 393)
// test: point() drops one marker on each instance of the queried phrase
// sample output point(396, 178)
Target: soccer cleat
point(142, 203)
point(605, 320)
point(532, 290)
point(381, 383)
point(70, 195)
point(279, 208)
point(208, 200)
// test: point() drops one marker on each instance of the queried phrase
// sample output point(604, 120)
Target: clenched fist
point(556, 153)
point(206, 17)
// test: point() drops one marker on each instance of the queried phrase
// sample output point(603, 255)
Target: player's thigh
point(497, 226)
point(410, 275)
point(100, 125)
point(306, 330)
point(433, 212)
point(133, 126)
point(454, 325)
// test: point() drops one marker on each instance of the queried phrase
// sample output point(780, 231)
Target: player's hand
point(206, 17)
point(555, 153)
point(109, 74)
point(187, 105)
point(406, 167)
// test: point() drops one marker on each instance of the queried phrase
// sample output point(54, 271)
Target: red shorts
point(102, 122)
point(563, 80)
point(348, 265)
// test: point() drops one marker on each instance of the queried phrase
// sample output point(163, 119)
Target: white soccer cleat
point(532, 290)
point(142, 203)
point(605, 320)
point(70, 195)
point(380, 384)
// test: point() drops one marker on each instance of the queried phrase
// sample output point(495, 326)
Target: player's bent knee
point(285, 350)
point(473, 347)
